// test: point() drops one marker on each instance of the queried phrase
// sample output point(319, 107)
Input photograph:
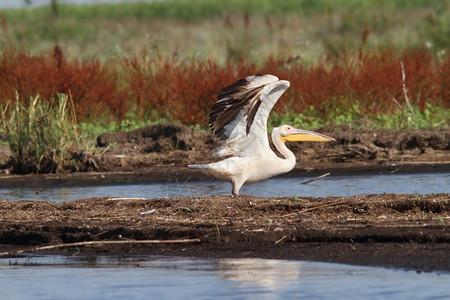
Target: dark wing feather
point(231, 100)
point(252, 110)
point(239, 117)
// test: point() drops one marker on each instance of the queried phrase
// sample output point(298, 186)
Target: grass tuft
point(41, 135)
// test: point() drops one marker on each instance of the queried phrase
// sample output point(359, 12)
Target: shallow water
point(150, 277)
point(281, 186)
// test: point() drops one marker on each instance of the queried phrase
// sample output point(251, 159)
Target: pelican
point(239, 121)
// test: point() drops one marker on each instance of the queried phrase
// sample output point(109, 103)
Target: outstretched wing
point(239, 117)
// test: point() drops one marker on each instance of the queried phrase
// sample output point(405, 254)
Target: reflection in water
point(276, 187)
point(269, 274)
point(143, 277)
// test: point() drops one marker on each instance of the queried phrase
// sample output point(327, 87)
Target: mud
point(176, 145)
point(407, 231)
point(396, 230)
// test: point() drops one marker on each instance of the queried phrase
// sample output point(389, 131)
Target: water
point(147, 277)
point(153, 277)
point(281, 186)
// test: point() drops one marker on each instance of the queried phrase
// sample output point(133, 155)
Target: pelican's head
point(292, 134)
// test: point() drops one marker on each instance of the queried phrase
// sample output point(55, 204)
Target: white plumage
point(239, 120)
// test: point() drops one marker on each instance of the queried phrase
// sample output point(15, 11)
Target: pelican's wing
point(239, 117)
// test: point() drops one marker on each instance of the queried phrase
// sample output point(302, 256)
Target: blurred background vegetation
point(229, 30)
point(129, 64)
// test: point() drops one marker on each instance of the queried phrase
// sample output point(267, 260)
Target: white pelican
point(239, 120)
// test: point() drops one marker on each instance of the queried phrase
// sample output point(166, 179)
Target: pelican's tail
point(212, 169)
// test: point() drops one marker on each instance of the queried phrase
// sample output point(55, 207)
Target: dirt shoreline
point(394, 230)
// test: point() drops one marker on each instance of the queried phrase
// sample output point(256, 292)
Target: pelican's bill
point(306, 136)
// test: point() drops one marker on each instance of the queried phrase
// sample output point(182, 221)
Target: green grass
point(91, 130)
point(413, 118)
point(405, 118)
point(192, 10)
point(41, 135)
point(221, 31)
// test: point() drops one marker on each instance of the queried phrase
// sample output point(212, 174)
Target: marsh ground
point(396, 230)
point(399, 230)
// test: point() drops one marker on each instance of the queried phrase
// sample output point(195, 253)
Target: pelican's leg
point(236, 187)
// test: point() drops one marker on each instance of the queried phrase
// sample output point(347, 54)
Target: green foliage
point(41, 135)
point(311, 119)
point(405, 118)
point(435, 28)
point(191, 10)
point(223, 29)
point(91, 130)
point(413, 118)
point(344, 115)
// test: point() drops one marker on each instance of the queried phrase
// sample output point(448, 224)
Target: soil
point(409, 231)
point(398, 230)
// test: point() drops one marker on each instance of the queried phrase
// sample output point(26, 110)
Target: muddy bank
point(162, 152)
point(397, 230)
point(175, 145)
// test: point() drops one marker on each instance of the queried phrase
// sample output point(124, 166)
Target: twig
point(218, 231)
point(316, 207)
point(315, 178)
point(124, 198)
point(405, 90)
point(397, 103)
point(282, 239)
point(88, 243)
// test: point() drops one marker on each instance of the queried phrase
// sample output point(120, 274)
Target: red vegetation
point(372, 81)
point(184, 90)
point(179, 91)
point(93, 87)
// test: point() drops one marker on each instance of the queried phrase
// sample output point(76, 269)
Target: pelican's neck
point(289, 157)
